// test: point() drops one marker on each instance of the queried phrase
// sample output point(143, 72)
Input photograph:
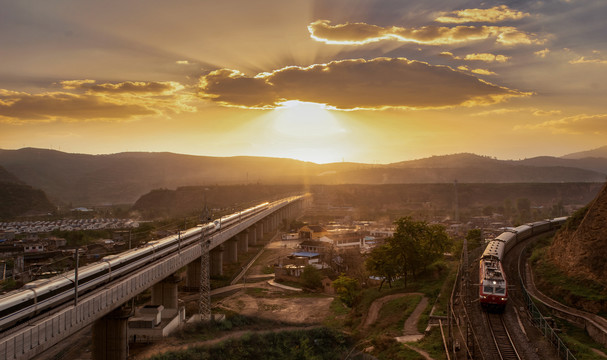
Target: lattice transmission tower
point(204, 304)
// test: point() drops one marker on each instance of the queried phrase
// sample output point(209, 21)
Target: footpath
point(410, 332)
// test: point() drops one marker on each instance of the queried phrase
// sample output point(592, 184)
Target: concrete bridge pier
point(192, 275)
point(231, 255)
point(267, 224)
point(282, 217)
point(165, 292)
point(110, 336)
point(216, 255)
point(243, 241)
point(260, 230)
point(253, 235)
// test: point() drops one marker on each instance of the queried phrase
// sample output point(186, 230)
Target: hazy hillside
point(597, 153)
point(597, 164)
point(7, 177)
point(373, 201)
point(191, 199)
point(122, 178)
point(18, 199)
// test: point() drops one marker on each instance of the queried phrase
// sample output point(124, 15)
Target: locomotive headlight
point(504, 299)
point(483, 297)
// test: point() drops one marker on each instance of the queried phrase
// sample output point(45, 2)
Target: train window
point(488, 289)
point(17, 307)
point(500, 290)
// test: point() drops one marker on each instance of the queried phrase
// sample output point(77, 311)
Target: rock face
point(580, 249)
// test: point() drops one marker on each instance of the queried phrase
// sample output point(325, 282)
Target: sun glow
point(305, 119)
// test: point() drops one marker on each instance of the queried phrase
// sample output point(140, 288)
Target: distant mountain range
point(123, 178)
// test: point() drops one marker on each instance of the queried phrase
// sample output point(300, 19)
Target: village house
point(315, 246)
point(313, 232)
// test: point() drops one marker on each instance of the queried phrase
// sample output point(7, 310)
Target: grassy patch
point(394, 313)
point(318, 343)
point(387, 348)
point(338, 316)
point(575, 292)
point(233, 321)
point(257, 292)
point(338, 308)
point(579, 342)
point(442, 301)
point(433, 344)
point(294, 284)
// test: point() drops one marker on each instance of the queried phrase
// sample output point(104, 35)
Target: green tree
point(346, 288)
point(415, 245)
point(433, 244)
point(474, 238)
point(311, 277)
point(380, 263)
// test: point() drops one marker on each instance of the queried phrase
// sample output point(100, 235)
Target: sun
point(309, 132)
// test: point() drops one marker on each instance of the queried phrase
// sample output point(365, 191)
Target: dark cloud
point(354, 84)
point(230, 87)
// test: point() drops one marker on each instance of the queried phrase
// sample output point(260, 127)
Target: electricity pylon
point(204, 304)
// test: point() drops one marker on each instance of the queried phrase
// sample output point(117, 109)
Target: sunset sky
point(324, 81)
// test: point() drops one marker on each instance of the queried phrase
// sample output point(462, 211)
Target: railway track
point(501, 337)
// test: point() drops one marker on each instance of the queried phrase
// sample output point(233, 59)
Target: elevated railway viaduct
point(102, 307)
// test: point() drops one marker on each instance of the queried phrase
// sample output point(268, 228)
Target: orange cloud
point(16, 107)
point(595, 58)
point(579, 124)
point(486, 57)
point(493, 15)
point(354, 84)
point(75, 84)
point(542, 53)
point(150, 87)
point(476, 71)
point(361, 33)
point(546, 112)
point(120, 101)
point(483, 72)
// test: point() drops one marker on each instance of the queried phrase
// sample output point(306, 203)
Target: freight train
point(40, 295)
point(493, 289)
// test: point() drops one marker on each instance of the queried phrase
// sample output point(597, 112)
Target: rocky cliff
point(580, 248)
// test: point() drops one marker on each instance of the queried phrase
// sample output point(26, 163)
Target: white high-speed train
point(40, 295)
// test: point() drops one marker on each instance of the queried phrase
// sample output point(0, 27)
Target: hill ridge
point(84, 179)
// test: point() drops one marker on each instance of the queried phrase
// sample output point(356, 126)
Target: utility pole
point(456, 202)
point(76, 277)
